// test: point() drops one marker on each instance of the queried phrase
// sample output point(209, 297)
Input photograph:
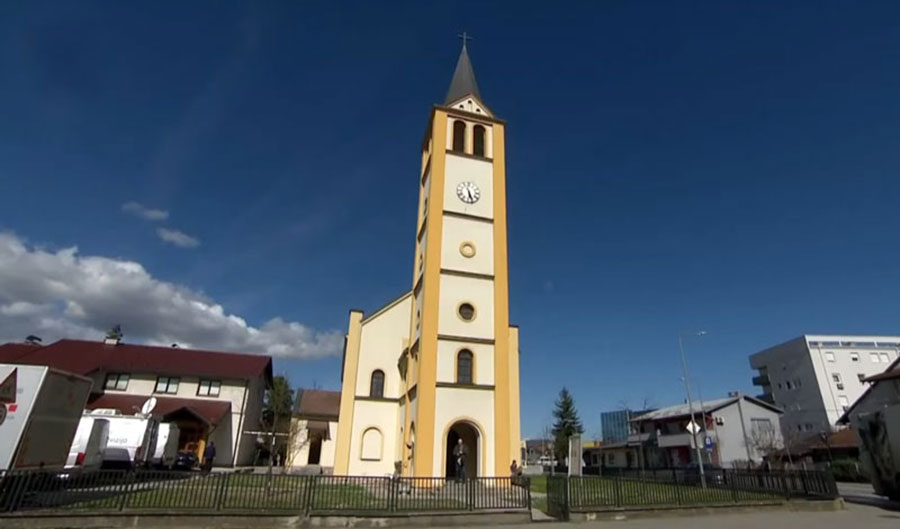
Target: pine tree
point(566, 423)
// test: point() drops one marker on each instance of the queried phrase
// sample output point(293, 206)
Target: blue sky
point(715, 166)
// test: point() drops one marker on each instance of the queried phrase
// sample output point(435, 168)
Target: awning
point(319, 427)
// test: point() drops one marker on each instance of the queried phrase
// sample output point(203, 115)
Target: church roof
point(463, 82)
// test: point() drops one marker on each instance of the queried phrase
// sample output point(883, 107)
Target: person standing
point(460, 452)
point(209, 454)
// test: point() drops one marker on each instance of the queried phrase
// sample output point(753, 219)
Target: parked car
point(185, 461)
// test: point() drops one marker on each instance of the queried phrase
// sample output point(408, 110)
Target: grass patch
point(539, 484)
point(609, 492)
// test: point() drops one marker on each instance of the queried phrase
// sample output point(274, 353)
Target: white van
point(89, 443)
point(131, 442)
point(166, 445)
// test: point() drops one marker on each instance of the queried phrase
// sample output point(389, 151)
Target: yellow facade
point(404, 375)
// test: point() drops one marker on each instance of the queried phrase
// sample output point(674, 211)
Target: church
point(440, 363)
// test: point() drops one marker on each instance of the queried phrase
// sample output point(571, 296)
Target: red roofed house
point(210, 395)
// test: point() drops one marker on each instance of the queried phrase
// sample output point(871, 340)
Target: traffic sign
point(709, 444)
point(692, 427)
point(8, 387)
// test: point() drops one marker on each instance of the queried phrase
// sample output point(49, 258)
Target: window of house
point(779, 385)
point(209, 388)
point(873, 357)
point(464, 365)
point(478, 140)
point(829, 356)
point(854, 357)
point(808, 427)
point(459, 136)
point(167, 385)
point(376, 386)
point(844, 402)
point(885, 358)
point(760, 425)
point(466, 311)
point(788, 385)
point(798, 383)
point(836, 377)
point(861, 376)
point(117, 381)
point(371, 445)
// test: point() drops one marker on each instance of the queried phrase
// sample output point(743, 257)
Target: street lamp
point(687, 390)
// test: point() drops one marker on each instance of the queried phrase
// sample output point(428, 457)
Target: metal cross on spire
point(465, 37)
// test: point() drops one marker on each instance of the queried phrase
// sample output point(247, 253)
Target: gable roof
point(706, 406)
point(210, 411)
point(318, 403)
point(85, 357)
point(463, 82)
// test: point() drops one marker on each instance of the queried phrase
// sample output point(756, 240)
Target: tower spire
point(463, 82)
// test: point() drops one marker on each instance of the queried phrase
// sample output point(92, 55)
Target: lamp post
point(687, 390)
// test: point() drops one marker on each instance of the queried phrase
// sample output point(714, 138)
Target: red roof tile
point(11, 352)
point(84, 357)
point(211, 411)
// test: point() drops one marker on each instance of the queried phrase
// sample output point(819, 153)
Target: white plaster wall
point(456, 290)
point(462, 169)
point(480, 234)
point(730, 435)
point(381, 342)
point(446, 361)
point(381, 415)
point(454, 404)
point(418, 328)
point(300, 444)
point(470, 104)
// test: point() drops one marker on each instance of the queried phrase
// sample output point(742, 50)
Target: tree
point(277, 411)
point(566, 423)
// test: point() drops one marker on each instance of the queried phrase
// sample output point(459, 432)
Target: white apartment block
point(816, 378)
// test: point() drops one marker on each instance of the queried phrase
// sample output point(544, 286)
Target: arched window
point(464, 366)
point(376, 387)
point(478, 140)
point(459, 136)
point(371, 445)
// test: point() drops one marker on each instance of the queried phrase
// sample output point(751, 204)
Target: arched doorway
point(471, 440)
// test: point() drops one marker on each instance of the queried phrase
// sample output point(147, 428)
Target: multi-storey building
point(816, 378)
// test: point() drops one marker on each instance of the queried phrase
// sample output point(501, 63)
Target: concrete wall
point(730, 437)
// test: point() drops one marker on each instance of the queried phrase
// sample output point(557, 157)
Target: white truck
point(41, 411)
point(166, 445)
point(132, 439)
point(89, 443)
point(879, 452)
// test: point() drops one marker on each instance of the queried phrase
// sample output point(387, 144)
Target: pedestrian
point(209, 454)
point(460, 452)
point(515, 473)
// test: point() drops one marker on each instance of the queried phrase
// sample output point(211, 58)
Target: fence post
point(470, 494)
point(392, 493)
point(677, 489)
point(129, 479)
point(784, 486)
point(528, 493)
point(311, 493)
point(222, 490)
point(733, 481)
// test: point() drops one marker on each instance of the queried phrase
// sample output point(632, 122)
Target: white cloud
point(63, 294)
point(142, 211)
point(178, 238)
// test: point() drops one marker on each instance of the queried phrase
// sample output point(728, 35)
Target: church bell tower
point(462, 365)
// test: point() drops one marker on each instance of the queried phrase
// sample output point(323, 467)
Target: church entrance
point(471, 440)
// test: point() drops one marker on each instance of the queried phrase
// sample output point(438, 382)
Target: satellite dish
point(148, 406)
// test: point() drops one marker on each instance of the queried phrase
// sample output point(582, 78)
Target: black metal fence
point(635, 489)
point(190, 492)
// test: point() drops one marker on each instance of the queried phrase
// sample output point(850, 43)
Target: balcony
point(761, 380)
point(677, 439)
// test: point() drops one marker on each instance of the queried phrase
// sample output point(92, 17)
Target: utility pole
point(687, 389)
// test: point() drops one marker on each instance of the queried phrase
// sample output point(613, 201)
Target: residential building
point(210, 395)
point(439, 364)
point(314, 429)
point(738, 428)
point(816, 378)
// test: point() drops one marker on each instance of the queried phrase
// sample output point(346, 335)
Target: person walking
point(209, 454)
point(460, 452)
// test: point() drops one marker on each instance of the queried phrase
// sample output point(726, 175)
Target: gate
point(558, 497)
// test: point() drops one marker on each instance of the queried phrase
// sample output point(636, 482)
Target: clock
point(468, 192)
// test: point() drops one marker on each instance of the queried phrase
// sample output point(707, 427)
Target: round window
point(467, 249)
point(467, 312)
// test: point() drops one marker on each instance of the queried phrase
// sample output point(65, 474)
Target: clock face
point(468, 192)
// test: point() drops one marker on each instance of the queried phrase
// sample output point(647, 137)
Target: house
point(313, 430)
point(211, 395)
point(815, 378)
point(731, 431)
